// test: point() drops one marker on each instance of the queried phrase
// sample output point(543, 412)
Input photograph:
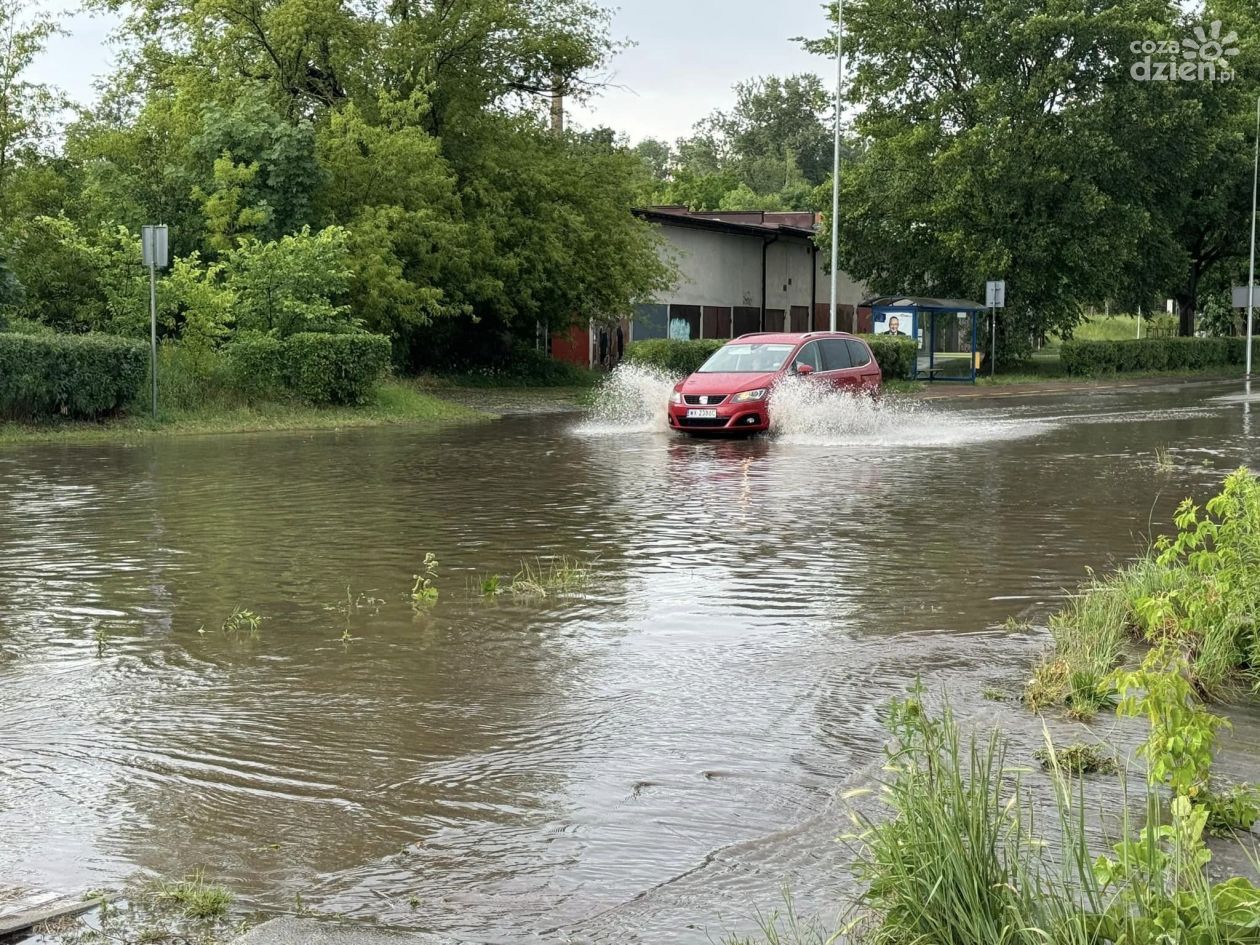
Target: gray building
point(741, 272)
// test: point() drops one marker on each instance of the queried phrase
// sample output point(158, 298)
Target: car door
point(837, 364)
point(865, 368)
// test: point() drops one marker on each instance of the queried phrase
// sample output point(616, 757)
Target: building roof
point(923, 304)
point(760, 223)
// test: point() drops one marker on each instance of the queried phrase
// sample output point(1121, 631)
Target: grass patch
point(1078, 758)
point(1197, 592)
point(192, 898)
point(393, 402)
point(960, 859)
point(538, 578)
point(550, 577)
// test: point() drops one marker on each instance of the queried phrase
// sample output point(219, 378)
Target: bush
point(334, 369)
point(255, 367)
point(80, 376)
point(1093, 358)
point(525, 366)
point(896, 356)
point(673, 357)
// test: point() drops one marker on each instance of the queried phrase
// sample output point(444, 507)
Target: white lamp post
point(1251, 276)
point(835, 175)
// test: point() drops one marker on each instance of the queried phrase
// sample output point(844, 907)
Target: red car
point(732, 390)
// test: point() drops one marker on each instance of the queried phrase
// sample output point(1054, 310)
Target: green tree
point(76, 281)
point(987, 150)
point(294, 284)
point(410, 252)
point(770, 151)
point(26, 108)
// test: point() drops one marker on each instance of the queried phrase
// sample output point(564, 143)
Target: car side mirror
point(805, 369)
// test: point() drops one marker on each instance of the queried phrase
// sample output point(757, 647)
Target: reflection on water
point(658, 753)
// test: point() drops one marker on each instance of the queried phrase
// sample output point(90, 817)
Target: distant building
point(738, 272)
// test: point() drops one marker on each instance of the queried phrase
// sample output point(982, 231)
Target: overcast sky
point(688, 55)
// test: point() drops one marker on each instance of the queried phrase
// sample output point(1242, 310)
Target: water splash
point(806, 412)
point(634, 398)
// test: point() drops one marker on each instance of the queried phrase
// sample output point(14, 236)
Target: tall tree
point(769, 151)
point(988, 151)
point(26, 108)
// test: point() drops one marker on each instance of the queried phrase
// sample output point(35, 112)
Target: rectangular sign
point(995, 293)
point(1240, 296)
point(153, 240)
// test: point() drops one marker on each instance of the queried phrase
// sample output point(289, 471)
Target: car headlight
point(675, 397)
point(749, 395)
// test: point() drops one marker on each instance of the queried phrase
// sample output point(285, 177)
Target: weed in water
point(425, 591)
point(1230, 808)
point(1077, 758)
point(491, 586)
point(993, 694)
point(194, 898)
point(242, 621)
point(961, 862)
point(1163, 459)
point(549, 577)
point(101, 636)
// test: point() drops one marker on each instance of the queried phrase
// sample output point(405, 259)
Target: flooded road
point(648, 760)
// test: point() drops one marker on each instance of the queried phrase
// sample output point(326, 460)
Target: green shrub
point(255, 367)
point(1093, 358)
point(24, 326)
point(80, 376)
point(896, 356)
point(673, 357)
point(334, 369)
point(525, 366)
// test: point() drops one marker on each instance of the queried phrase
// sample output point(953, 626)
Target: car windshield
point(747, 359)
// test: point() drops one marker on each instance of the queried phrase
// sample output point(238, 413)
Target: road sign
point(1240, 296)
point(995, 294)
point(153, 240)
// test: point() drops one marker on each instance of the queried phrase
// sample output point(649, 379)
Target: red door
point(865, 367)
point(838, 365)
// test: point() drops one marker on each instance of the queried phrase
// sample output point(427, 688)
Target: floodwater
point(650, 760)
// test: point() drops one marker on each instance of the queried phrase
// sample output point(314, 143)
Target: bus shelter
point(946, 330)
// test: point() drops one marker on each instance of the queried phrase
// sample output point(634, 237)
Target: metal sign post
point(994, 298)
point(153, 239)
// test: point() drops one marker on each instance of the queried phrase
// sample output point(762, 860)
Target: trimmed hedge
point(1092, 358)
point(334, 369)
point(318, 368)
point(674, 357)
point(896, 356)
point(255, 367)
point(79, 376)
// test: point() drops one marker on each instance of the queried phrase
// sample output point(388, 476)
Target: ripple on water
point(627, 763)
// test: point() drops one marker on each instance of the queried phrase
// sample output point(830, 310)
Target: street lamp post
point(1251, 276)
point(835, 174)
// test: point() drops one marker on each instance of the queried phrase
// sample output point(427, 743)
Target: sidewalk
point(944, 390)
point(294, 931)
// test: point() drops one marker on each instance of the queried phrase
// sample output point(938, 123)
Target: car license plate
point(701, 414)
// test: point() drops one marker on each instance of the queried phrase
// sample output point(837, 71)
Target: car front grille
point(710, 422)
point(704, 400)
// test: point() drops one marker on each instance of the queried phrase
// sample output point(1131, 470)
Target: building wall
point(850, 292)
point(720, 280)
point(714, 268)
